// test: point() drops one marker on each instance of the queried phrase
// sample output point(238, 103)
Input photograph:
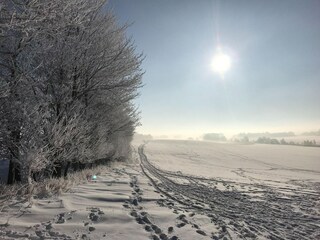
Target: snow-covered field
point(255, 191)
point(184, 190)
point(238, 162)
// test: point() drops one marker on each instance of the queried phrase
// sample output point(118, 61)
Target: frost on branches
point(68, 76)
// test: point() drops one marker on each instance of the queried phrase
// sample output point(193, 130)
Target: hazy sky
point(272, 85)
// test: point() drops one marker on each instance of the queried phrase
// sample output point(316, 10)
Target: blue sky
point(272, 85)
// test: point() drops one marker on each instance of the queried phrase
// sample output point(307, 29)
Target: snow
point(185, 190)
point(263, 161)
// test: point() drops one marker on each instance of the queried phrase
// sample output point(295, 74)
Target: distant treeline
point(265, 134)
point(214, 137)
point(314, 133)
point(267, 140)
point(68, 78)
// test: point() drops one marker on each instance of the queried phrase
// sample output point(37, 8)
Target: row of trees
point(267, 140)
point(68, 76)
point(214, 137)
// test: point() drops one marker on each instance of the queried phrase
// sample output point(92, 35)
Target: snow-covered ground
point(239, 162)
point(255, 191)
point(185, 190)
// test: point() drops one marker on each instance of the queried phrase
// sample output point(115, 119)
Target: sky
point(273, 83)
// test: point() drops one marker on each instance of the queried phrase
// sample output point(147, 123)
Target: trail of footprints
point(46, 230)
point(142, 217)
point(94, 216)
point(186, 218)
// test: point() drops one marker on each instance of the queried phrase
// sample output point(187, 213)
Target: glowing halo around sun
point(221, 63)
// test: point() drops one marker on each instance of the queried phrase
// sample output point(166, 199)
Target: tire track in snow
point(273, 215)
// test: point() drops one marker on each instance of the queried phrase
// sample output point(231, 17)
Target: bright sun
point(221, 63)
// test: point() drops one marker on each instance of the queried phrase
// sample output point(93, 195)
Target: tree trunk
point(14, 172)
point(66, 169)
point(25, 173)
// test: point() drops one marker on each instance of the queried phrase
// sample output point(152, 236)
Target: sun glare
point(221, 63)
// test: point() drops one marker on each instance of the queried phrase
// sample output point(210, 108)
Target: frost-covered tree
point(68, 76)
